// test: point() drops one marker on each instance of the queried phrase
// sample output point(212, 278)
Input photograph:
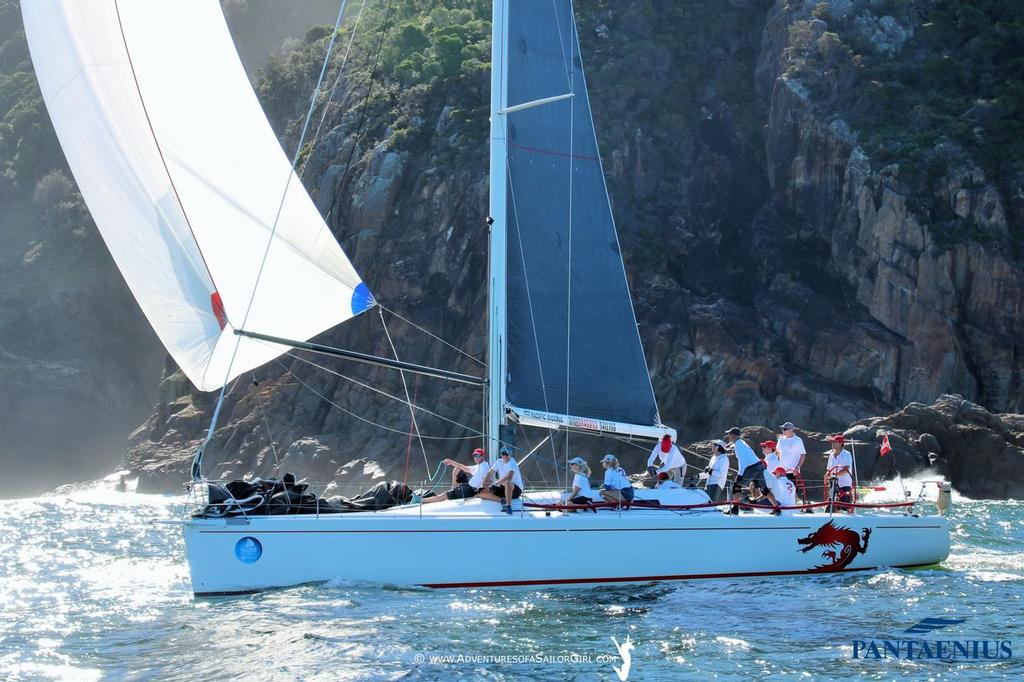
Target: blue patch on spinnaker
point(361, 298)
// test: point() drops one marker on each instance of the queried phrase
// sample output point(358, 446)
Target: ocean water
point(94, 587)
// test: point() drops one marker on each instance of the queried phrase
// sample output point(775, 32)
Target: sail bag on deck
point(186, 180)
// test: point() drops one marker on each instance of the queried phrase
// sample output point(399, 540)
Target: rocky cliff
point(796, 248)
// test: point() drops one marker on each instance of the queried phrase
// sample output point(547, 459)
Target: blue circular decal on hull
point(248, 550)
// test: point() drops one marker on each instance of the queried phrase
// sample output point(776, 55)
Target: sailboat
point(232, 265)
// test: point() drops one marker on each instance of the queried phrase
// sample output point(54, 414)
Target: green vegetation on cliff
point(929, 85)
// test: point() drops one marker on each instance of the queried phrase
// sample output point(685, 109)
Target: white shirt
point(615, 479)
point(773, 463)
point(790, 450)
point(719, 469)
point(785, 491)
point(502, 468)
point(673, 459)
point(480, 470)
point(844, 458)
point(744, 455)
point(583, 483)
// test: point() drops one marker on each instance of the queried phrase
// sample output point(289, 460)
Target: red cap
point(770, 444)
point(779, 471)
point(666, 443)
point(663, 476)
point(479, 451)
point(838, 438)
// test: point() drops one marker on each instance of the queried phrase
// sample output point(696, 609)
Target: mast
point(496, 299)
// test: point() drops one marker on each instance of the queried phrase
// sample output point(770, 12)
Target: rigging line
point(388, 395)
point(561, 42)
point(682, 449)
point(334, 88)
point(362, 114)
point(432, 335)
point(266, 425)
point(529, 302)
point(198, 459)
point(320, 395)
point(611, 214)
point(568, 303)
point(405, 387)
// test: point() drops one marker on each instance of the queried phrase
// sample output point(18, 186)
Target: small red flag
point(886, 448)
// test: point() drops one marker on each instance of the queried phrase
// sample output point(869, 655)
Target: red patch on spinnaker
point(218, 310)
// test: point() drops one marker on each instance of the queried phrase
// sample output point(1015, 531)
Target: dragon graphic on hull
point(842, 544)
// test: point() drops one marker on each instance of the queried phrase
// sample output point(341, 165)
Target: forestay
point(185, 179)
point(573, 345)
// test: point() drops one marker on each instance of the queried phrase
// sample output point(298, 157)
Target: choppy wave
point(95, 586)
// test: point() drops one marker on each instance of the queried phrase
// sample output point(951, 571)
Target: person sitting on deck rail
point(840, 464)
point(616, 489)
point(580, 492)
point(751, 470)
point(785, 490)
point(717, 471)
point(466, 480)
point(671, 459)
point(509, 483)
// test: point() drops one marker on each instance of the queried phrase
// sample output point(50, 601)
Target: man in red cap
point(840, 466)
point(466, 480)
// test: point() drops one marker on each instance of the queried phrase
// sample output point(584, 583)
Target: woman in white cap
point(616, 489)
point(580, 492)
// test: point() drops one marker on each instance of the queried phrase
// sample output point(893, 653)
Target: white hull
point(469, 545)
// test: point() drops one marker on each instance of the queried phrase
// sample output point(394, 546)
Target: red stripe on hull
point(649, 578)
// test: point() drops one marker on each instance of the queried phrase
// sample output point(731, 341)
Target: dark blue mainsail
point(569, 309)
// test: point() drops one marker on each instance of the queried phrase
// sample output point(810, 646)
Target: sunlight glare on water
point(94, 587)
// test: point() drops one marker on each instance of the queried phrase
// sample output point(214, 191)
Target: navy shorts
point(499, 491)
point(462, 491)
point(752, 474)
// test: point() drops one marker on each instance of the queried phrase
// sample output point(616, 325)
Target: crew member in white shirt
point(751, 470)
point(772, 461)
point(840, 465)
point(785, 490)
point(616, 488)
point(717, 471)
point(466, 480)
point(792, 453)
point(669, 457)
point(580, 492)
point(509, 483)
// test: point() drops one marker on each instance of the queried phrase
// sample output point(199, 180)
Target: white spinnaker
point(184, 178)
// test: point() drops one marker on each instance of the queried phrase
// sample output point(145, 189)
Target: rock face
point(981, 452)
point(779, 270)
